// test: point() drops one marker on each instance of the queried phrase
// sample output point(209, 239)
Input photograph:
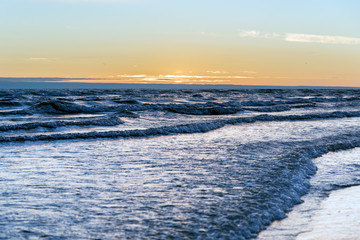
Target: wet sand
point(338, 217)
point(331, 209)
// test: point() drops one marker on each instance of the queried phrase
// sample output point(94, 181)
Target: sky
point(242, 42)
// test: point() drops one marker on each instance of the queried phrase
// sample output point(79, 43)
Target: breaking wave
point(281, 186)
point(157, 131)
point(104, 121)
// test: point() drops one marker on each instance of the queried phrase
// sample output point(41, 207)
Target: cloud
point(257, 34)
point(132, 76)
point(39, 59)
point(310, 38)
point(300, 37)
point(217, 72)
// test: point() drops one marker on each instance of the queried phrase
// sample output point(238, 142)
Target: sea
point(174, 164)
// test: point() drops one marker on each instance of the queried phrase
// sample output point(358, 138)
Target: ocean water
point(169, 164)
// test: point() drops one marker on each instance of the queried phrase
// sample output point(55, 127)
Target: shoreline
point(331, 208)
point(338, 217)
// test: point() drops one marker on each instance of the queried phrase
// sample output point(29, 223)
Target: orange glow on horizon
point(216, 80)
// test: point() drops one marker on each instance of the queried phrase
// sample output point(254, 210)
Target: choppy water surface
point(181, 164)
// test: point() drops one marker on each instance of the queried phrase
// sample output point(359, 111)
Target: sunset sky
point(252, 42)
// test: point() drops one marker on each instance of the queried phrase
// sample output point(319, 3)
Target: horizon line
point(188, 80)
point(85, 85)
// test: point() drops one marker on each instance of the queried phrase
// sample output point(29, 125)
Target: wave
point(304, 105)
point(268, 109)
point(14, 112)
point(125, 113)
point(281, 186)
point(61, 107)
point(279, 107)
point(212, 102)
point(203, 109)
point(126, 101)
point(198, 127)
point(168, 130)
point(105, 121)
point(9, 103)
point(304, 117)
